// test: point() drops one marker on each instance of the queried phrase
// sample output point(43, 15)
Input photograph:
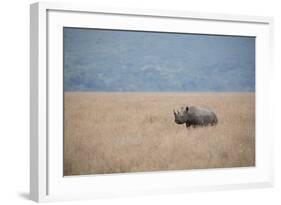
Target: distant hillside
point(105, 60)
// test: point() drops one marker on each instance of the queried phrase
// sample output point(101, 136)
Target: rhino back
point(199, 111)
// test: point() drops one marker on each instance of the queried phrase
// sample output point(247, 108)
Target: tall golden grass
point(135, 132)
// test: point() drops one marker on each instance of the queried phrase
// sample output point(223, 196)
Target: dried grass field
point(135, 132)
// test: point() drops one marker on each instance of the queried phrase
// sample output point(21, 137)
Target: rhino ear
point(187, 108)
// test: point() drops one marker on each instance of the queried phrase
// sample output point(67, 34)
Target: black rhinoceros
point(195, 116)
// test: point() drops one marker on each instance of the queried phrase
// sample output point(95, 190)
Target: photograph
point(146, 101)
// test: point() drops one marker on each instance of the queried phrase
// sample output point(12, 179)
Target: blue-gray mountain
point(195, 116)
point(111, 60)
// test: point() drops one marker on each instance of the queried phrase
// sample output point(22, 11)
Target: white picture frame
point(46, 178)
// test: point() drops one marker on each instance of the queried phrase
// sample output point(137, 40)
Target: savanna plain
point(135, 132)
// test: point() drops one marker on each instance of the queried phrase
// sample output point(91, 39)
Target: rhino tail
point(215, 119)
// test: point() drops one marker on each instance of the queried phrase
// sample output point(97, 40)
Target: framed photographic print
point(129, 101)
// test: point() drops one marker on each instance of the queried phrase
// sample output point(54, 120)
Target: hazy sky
point(108, 60)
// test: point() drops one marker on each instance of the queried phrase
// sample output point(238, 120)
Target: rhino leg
point(187, 125)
